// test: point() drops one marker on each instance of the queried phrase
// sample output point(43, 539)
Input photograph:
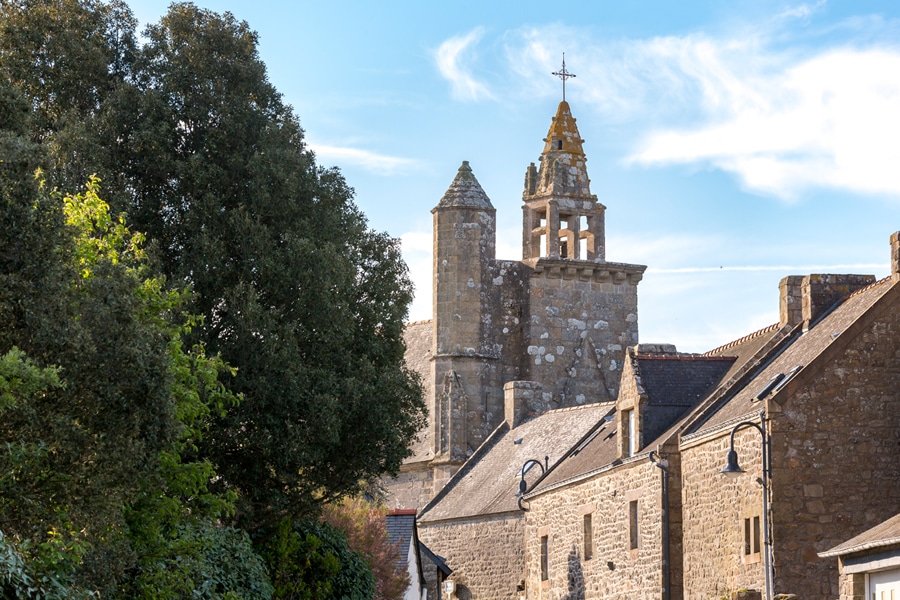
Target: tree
point(291, 286)
point(297, 292)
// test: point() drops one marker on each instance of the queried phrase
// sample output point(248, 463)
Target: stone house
point(605, 521)
point(476, 522)
point(869, 564)
point(827, 392)
point(561, 316)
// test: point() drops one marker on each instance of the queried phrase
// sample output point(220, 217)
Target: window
point(629, 435)
point(545, 559)
point(588, 538)
point(633, 524)
point(751, 536)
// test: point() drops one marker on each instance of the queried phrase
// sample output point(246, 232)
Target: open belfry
point(549, 331)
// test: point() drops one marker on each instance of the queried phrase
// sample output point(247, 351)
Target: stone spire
point(562, 219)
point(563, 171)
point(465, 191)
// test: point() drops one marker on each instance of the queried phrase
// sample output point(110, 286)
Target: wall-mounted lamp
point(733, 469)
point(523, 485)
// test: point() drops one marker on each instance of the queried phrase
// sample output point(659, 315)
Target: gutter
point(664, 468)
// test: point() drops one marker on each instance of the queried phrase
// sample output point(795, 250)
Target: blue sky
point(733, 143)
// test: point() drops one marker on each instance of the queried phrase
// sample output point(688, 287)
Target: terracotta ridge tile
point(746, 338)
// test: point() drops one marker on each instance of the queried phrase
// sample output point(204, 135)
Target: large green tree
point(296, 291)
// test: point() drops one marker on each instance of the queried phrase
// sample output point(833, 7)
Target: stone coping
point(586, 270)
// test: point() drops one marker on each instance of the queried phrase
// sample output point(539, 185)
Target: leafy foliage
point(364, 524)
point(310, 560)
point(131, 445)
point(296, 291)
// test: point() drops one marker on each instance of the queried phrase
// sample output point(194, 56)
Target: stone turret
point(464, 251)
point(562, 219)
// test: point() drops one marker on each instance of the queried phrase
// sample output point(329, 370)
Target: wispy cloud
point(784, 108)
point(452, 61)
point(848, 268)
point(800, 11)
point(381, 164)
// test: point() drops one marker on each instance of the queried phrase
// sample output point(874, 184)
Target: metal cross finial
point(563, 74)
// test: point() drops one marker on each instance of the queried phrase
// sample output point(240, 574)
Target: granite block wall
point(486, 554)
point(615, 571)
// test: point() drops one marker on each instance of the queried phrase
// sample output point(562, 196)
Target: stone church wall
point(582, 317)
point(615, 571)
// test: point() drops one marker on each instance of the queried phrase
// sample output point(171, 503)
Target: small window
point(633, 524)
point(588, 538)
point(564, 249)
point(751, 536)
point(558, 144)
point(545, 559)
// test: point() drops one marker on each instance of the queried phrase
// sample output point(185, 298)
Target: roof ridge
point(680, 356)
point(746, 338)
point(871, 285)
point(584, 406)
point(422, 322)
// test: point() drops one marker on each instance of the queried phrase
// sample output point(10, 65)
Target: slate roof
point(400, 524)
point(799, 350)
point(882, 535)
point(746, 348)
point(418, 337)
point(489, 481)
point(673, 383)
point(680, 380)
point(597, 452)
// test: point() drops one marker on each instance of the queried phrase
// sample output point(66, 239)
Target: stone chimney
point(803, 299)
point(820, 292)
point(520, 399)
point(790, 303)
point(895, 256)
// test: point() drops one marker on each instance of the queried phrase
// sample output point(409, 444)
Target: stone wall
point(713, 513)
point(582, 317)
point(834, 449)
point(835, 430)
point(614, 571)
point(413, 487)
point(486, 554)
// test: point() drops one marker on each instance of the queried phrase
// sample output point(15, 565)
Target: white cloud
point(828, 121)
point(381, 164)
point(450, 57)
point(417, 247)
point(784, 108)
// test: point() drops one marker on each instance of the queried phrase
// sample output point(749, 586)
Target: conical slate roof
point(465, 191)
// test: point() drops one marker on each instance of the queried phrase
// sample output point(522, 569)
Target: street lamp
point(732, 469)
